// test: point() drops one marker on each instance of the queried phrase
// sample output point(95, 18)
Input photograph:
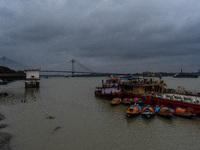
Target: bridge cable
point(13, 63)
point(83, 66)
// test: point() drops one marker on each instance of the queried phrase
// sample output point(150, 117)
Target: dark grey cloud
point(105, 35)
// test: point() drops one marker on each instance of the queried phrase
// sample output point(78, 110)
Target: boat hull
point(107, 96)
point(132, 114)
point(147, 115)
point(166, 115)
point(182, 112)
point(185, 115)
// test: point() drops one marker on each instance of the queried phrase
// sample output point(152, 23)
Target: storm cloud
point(105, 35)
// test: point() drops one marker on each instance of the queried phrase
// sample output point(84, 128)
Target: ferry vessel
point(110, 89)
point(185, 75)
point(155, 92)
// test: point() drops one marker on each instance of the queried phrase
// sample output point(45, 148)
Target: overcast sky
point(104, 35)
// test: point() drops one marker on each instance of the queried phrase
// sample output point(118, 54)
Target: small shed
point(32, 78)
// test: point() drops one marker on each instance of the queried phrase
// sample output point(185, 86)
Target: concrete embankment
point(4, 137)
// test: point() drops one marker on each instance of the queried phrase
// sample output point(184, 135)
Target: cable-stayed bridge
point(72, 67)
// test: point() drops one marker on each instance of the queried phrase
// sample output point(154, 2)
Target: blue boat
point(138, 101)
point(138, 107)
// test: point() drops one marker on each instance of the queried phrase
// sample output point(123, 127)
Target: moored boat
point(182, 112)
point(110, 89)
point(164, 111)
point(126, 101)
point(133, 110)
point(185, 75)
point(191, 102)
point(2, 82)
point(138, 101)
point(116, 101)
point(148, 111)
point(155, 92)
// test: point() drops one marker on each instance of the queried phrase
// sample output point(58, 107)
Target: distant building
point(32, 78)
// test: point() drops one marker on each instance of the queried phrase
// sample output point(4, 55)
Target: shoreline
point(4, 137)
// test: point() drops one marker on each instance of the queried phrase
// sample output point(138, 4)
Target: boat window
point(128, 87)
point(135, 89)
point(115, 81)
point(148, 89)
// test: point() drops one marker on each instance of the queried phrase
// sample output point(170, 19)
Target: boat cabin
point(113, 82)
point(140, 86)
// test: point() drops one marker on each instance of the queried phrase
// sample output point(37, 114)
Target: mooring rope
point(50, 117)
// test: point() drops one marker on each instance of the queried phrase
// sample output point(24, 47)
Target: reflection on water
point(30, 95)
point(21, 95)
point(83, 121)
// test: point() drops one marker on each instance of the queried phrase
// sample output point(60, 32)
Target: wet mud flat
point(4, 137)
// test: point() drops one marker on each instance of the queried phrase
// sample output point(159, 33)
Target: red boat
point(155, 92)
point(148, 111)
point(164, 111)
point(127, 101)
point(138, 101)
point(116, 101)
point(110, 89)
point(182, 112)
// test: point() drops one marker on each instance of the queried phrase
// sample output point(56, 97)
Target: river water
point(85, 122)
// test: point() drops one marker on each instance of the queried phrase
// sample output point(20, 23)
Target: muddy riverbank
point(4, 137)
